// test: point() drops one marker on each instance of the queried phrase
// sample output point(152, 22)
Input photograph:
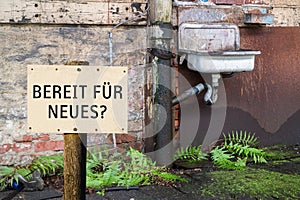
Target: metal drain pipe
point(160, 20)
point(194, 91)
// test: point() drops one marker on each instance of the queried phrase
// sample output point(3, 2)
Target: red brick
point(27, 138)
point(255, 2)
point(49, 146)
point(4, 148)
point(236, 2)
point(24, 138)
point(22, 147)
point(176, 123)
point(123, 138)
point(44, 137)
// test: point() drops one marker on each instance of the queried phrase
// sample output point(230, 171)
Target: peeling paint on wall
point(31, 44)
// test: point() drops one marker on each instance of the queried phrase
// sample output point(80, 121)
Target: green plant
point(7, 175)
point(47, 164)
point(222, 158)
point(131, 169)
point(244, 145)
point(191, 153)
point(43, 164)
point(236, 149)
point(239, 137)
point(246, 151)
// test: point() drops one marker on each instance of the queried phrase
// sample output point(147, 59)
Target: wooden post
point(75, 161)
point(74, 166)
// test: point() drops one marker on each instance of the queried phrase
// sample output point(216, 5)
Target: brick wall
point(47, 44)
point(55, 32)
point(286, 12)
point(25, 147)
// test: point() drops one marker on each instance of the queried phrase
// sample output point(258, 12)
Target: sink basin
point(222, 61)
point(214, 48)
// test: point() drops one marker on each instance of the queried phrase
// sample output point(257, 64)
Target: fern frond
point(240, 137)
point(191, 153)
point(258, 155)
point(222, 158)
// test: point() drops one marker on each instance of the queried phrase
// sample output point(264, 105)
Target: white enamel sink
point(222, 61)
point(214, 48)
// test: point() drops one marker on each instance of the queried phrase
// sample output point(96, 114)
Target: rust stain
point(254, 11)
point(212, 15)
point(271, 92)
point(266, 100)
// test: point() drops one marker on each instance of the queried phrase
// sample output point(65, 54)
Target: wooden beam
point(74, 12)
point(75, 161)
point(75, 166)
point(160, 11)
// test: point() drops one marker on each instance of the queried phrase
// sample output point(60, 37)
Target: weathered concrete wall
point(42, 44)
point(286, 13)
point(71, 12)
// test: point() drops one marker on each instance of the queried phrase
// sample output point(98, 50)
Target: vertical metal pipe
point(160, 20)
point(163, 113)
point(110, 43)
point(110, 48)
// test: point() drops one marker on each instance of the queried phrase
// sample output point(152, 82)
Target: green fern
point(246, 151)
point(47, 164)
point(191, 153)
point(6, 176)
point(243, 138)
point(237, 148)
point(222, 158)
point(244, 144)
point(43, 164)
point(132, 169)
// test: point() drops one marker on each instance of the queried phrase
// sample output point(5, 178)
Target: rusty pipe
point(194, 91)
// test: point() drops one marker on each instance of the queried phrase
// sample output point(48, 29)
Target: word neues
point(78, 93)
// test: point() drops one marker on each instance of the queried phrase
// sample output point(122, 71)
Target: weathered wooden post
point(74, 166)
point(75, 162)
point(160, 19)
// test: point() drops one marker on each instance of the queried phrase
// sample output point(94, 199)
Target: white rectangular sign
point(77, 99)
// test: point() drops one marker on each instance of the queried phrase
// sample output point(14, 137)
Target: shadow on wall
point(287, 134)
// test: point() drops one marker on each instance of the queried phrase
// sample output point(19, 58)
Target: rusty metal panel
point(208, 37)
point(259, 18)
point(77, 99)
point(255, 10)
point(271, 92)
point(266, 100)
point(210, 15)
